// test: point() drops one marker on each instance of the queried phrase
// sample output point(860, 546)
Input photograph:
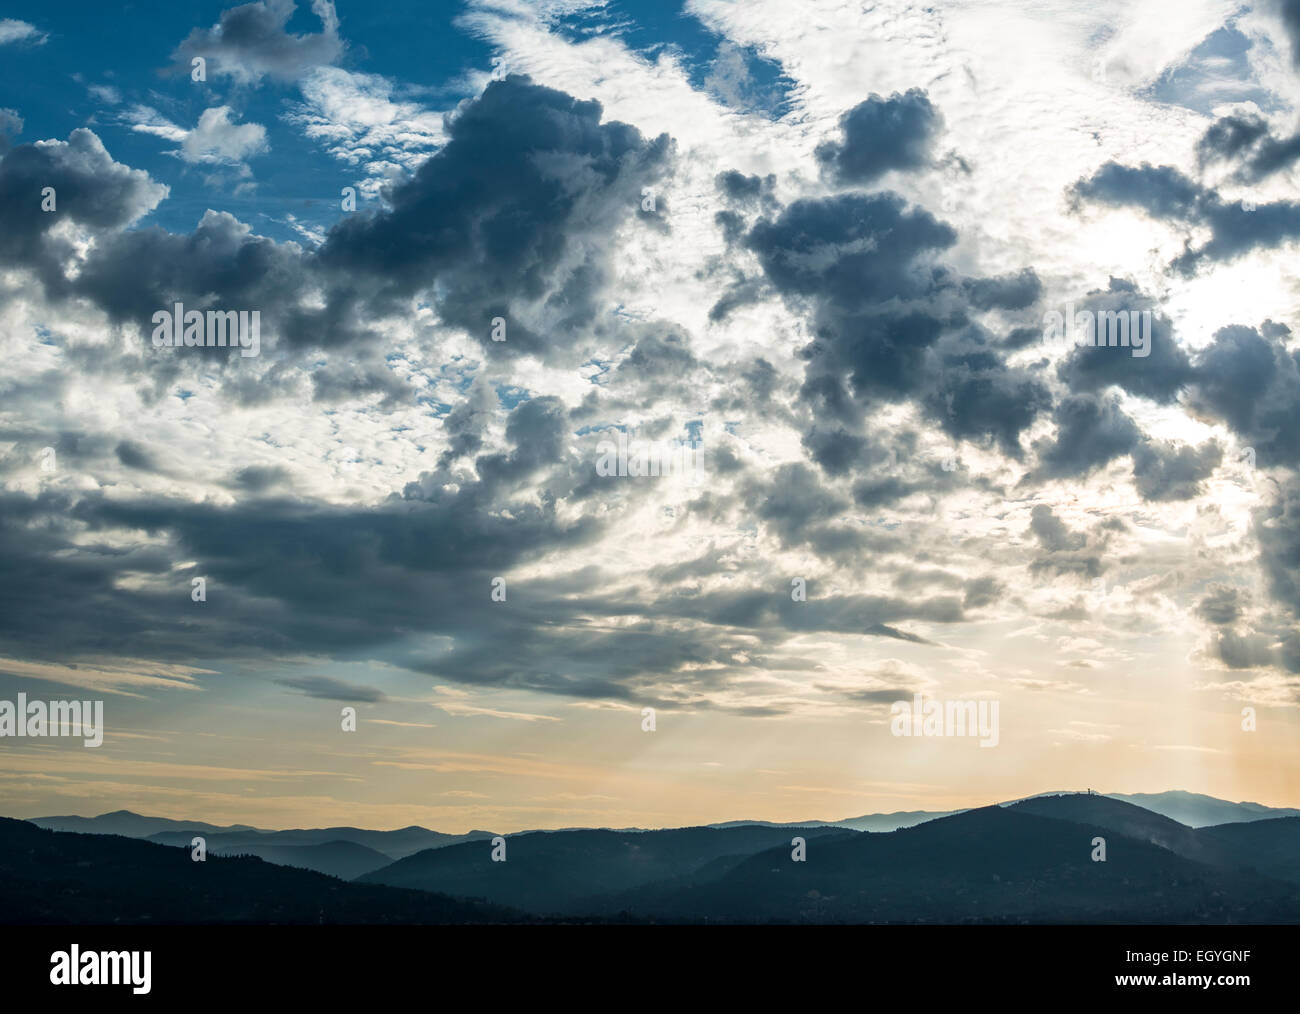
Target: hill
point(570, 872)
point(1196, 810)
point(991, 865)
point(68, 878)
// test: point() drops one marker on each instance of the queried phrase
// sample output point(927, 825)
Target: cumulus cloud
point(251, 41)
point(14, 31)
point(882, 134)
point(217, 138)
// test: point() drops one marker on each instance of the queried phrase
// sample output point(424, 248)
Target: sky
point(813, 251)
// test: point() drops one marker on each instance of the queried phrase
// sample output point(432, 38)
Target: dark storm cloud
point(732, 226)
point(1160, 375)
point(465, 425)
point(281, 575)
point(1165, 471)
point(257, 479)
point(132, 455)
point(743, 292)
point(130, 275)
point(890, 325)
point(1252, 383)
point(250, 41)
point(221, 264)
point(854, 249)
point(538, 428)
point(975, 395)
point(1165, 193)
point(1249, 380)
point(879, 135)
point(661, 354)
point(740, 189)
point(90, 189)
point(513, 213)
point(1246, 138)
point(1090, 432)
point(872, 494)
point(1290, 12)
point(1012, 292)
point(515, 209)
point(1278, 527)
point(793, 498)
point(353, 379)
point(854, 259)
point(1162, 191)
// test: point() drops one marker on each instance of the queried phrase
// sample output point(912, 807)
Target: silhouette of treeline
point(1029, 861)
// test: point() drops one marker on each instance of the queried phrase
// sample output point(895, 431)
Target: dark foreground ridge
point(95, 879)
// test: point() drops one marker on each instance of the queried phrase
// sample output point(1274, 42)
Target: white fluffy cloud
point(13, 30)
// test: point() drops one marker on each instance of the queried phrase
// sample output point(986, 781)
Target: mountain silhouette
point(1269, 846)
point(1196, 810)
point(132, 825)
point(867, 822)
point(252, 840)
point(1030, 861)
point(990, 865)
point(62, 877)
point(343, 859)
point(1113, 816)
point(568, 872)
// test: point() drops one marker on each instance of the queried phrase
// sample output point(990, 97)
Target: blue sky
point(427, 51)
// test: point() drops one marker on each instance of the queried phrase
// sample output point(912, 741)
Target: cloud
point(880, 135)
point(13, 30)
point(216, 138)
point(91, 191)
point(1090, 432)
point(106, 94)
point(891, 325)
point(1164, 471)
point(1221, 605)
point(1164, 192)
point(362, 122)
point(385, 459)
point(1246, 139)
point(1247, 378)
point(250, 42)
point(1064, 551)
point(511, 217)
point(331, 689)
point(11, 125)
point(1290, 13)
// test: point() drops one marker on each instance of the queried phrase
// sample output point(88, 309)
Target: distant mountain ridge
point(1028, 861)
point(1196, 810)
point(1190, 808)
point(131, 825)
point(569, 872)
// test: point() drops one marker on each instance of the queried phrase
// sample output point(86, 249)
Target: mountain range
point(1031, 860)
